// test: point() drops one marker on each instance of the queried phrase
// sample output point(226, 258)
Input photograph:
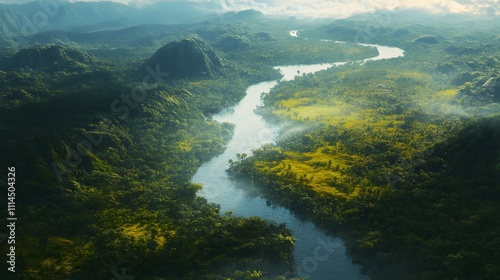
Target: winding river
point(318, 255)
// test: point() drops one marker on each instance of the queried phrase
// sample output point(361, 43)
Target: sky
point(327, 8)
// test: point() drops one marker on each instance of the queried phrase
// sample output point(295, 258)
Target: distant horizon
point(320, 8)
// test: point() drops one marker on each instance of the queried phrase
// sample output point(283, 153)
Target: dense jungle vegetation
point(104, 163)
point(100, 190)
point(401, 157)
point(398, 157)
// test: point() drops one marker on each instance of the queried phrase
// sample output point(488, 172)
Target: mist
point(335, 8)
point(320, 8)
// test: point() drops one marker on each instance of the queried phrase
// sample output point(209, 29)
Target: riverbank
point(375, 157)
point(250, 132)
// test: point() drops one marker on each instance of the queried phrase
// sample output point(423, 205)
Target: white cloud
point(342, 8)
point(330, 8)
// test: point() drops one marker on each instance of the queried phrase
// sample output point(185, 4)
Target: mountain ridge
point(30, 18)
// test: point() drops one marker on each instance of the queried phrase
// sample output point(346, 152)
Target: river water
point(318, 255)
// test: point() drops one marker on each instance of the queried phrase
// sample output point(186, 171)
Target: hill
point(51, 59)
point(186, 58)
point(250, 13)
point(11, 22)
point(126, 198)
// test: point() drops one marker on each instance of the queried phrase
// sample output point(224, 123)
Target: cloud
point(343, 8)
point(330, 8)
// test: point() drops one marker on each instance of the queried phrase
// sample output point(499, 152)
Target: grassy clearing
point(447, 94)
point(380, 106)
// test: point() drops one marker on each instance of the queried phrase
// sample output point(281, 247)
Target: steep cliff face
point(187, 58)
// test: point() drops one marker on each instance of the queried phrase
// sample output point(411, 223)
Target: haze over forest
point(321, 8)
point(250, 140)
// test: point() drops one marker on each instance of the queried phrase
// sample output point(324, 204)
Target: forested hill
point(474, 154)
point(11, 22)
point(103, 165)
point(187, 58)
point(444, 217)
point(50, 59)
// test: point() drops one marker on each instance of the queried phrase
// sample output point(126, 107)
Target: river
point(318, 255)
